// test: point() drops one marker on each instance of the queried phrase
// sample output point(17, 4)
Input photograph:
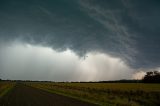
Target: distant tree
point(152, 77)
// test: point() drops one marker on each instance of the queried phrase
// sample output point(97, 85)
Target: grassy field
point(5, 86)
point(104, 94)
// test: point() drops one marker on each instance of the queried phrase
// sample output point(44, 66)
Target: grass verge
point(5, 88)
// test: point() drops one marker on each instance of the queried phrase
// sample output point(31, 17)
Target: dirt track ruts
point(22, 95)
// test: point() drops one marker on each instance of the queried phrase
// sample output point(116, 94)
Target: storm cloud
point(123, 29)
point(30, 62)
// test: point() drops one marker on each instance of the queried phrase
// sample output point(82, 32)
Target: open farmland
point(121, 94)
point(79, 94)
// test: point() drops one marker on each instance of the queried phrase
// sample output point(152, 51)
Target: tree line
point(152, 77)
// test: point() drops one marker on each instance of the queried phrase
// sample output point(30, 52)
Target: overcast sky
point(79, 40)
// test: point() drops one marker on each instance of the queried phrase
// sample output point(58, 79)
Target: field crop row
point(120, 94)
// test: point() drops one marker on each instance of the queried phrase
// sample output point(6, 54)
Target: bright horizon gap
point(36, 62)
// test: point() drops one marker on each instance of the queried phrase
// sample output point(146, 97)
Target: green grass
point(5, 87)
point(104, 94)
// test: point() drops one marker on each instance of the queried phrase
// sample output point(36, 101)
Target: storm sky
point(79, 40)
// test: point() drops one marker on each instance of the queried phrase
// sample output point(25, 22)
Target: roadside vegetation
point(5, 86)
point(104, 94)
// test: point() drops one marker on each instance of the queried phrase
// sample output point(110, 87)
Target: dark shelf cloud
point(125, 29)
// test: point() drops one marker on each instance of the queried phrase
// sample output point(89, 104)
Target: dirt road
point(22, 95)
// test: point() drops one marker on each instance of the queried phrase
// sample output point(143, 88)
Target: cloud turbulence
point(66, 40)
